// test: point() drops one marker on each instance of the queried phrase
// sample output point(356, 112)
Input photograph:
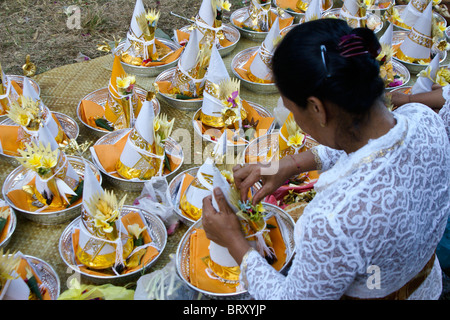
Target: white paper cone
point(424, 84)
point(258, 68)
point(413, 11)
point(217, 72)
point(206, 12)
point(386, 38)
point(144, 126)
point(421, 29)
point(350, 7)
point(314, 10)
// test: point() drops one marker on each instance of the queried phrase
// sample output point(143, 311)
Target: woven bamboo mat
point(61, 90)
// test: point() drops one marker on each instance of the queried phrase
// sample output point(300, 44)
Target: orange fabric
point(109, 154)
point(184, 36)
point(263, 126)
point(282, 22)
point(4, 232)
point(22, 271)
point(22, 200)
point(17, 87)
point(170, 58)
point(288, 4)
point(130, 218)
point(199, 249)
point(165, 87)
point(89, 111)
point(243, 71)
point(9, 138)
point(186, 183)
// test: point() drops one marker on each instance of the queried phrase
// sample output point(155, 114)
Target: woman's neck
point(375, 124)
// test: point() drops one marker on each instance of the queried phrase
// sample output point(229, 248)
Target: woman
point(383, 198)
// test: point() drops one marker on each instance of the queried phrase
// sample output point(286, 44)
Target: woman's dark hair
point(317, 58)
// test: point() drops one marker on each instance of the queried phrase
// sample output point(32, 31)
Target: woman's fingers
point(245, 178)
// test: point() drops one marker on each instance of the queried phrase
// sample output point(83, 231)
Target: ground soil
point(40, 28)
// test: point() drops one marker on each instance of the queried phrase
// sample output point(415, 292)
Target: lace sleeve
point(444, 113)
point(324, 265)
point(325, 157)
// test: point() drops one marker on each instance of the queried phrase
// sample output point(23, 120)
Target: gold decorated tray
point(147, 71)
point(69, 126)
point(172, 148)
point(240, 60)
point(286, 225)
point(14, 181)
point(157, 232)
point(239, 15)
point(100, 97)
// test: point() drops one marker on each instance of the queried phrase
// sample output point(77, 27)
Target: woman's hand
point(272, 176)
point(223, 226)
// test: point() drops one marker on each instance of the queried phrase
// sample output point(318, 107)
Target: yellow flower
point(152, 16)
point(228, 175)
point(105, 210)
point(297, 139)
point(125, 82)
point(49, 162)
point(135, 230)
point(35, 160)
point(226, 5)
point(260, 208)
point(436, 2)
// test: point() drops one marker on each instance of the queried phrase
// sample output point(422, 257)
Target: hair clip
point(323, 51)
point(352, 45)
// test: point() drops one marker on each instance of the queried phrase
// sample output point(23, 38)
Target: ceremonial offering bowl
point(147, 71)
point(375, 18)
point(259, 36)
point(69, 126)
point(175, 188)
point(172, 147)
point(241, 59)
point(402, 71)
point(231, 34)
point(100, 96)
point(376, 9)
point(299, 15)
point(158, 234)
point(20, 79)
point(286, 225)
point(46, 274)
point(188, 105)
point(12, 228)
point(235, 148)
point(15, 180)
point(414, 68)
point(262, 145)
point(400, 9)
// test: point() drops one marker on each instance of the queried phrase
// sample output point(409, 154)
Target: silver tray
point(241, 59)
point(100, 96)
point(174, 187)
point(158, 234)
point(237, 149)
point(147, 71)
point(12, 228)
point(375, 17)
point(414, 68)
point(47, 275)
point(231, 33)
point(188, 105)
point(47, 218)
point(286, 224)
point(261, 146)
point(401, 70)
point(285, 30)
point(298, 16)
point(172, 147)
point(69, 126)
point(239, 15)
point(400, 9)
point(380, 11)
point(21, 79)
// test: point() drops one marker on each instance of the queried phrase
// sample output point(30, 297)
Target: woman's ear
point(317, 110)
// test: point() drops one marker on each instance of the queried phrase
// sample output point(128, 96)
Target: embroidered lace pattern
point(375, 221)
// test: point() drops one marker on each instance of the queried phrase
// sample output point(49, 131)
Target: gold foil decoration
point(29, 68)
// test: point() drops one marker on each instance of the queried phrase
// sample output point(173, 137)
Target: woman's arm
point(434, 99)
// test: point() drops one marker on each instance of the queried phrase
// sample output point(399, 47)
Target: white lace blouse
point(444, 113)
point(375, 221)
